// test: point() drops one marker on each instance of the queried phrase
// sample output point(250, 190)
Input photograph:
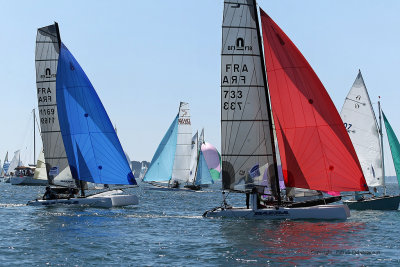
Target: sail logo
point(272, 213)
point(54, 171)
point(255, 171)
point(184, 112)
point(240, 46)
point(184, 121)
point(48, 74)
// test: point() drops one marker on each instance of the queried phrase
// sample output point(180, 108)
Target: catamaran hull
point(92, 201)
point(379, 203)
point(27, 181)
point(321, 212)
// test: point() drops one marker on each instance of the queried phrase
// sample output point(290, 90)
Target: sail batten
point(316, 152)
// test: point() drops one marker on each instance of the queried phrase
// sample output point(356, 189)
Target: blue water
point(167, 229)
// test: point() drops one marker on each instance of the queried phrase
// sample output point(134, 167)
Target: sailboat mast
point(198, 157)
point(381, 135)
point(34, 139)
point(278, 190)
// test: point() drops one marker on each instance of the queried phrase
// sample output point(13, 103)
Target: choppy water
point(167, 229)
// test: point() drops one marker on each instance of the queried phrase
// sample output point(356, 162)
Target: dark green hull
point(375, 203)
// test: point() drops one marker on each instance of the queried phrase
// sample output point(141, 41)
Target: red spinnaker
point(315, 149)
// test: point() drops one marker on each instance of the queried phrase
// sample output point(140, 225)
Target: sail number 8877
point(233, 95)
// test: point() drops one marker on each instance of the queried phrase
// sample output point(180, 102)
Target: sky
point(144, 57)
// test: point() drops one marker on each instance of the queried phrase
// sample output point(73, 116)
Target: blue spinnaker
point(203, 175)
point(92, 146)
point(161, 165)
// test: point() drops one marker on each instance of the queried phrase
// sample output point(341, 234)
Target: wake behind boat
point(315, 150)
point(80, 144)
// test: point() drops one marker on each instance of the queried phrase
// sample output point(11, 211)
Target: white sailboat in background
point(171, 164)
point(24, 175)
point(15, 162)
point(6, 165)
point(206, 163)
point(359, 119)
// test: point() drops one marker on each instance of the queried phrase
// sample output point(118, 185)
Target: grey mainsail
point(46, 60)
point(246, 143)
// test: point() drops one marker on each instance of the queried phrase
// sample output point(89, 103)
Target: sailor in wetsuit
point(49, 194)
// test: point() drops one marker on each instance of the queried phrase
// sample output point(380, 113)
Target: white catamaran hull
point(102, 200)
point(321, 212)
point(27, 181)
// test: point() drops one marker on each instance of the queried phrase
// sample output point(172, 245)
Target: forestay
point(246, 144)
point(360, 122)
point(46, 61)
point(181, 168)
point(160, 168)
point(93, 148)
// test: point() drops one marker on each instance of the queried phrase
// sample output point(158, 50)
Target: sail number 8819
point(232, 95)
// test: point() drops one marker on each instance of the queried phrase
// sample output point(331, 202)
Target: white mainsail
point(15, 162)
point(359, 119)
point(193, 160)
point(46, 59)
point(246, 145)
point(183, 152)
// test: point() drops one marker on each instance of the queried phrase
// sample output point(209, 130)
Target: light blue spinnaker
point(161, 165)
point(203, 175)
point(92, 146)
